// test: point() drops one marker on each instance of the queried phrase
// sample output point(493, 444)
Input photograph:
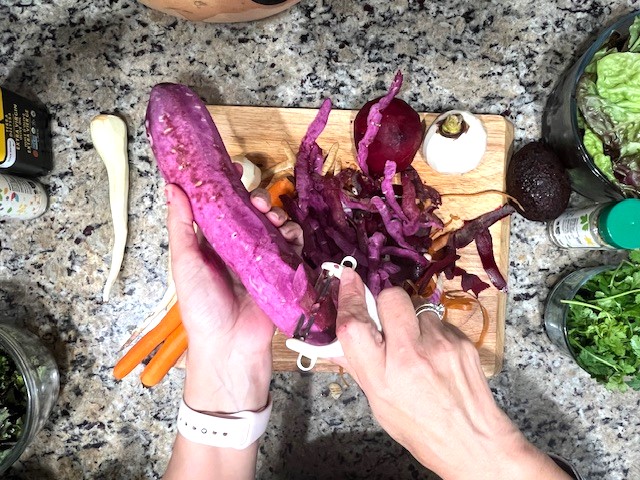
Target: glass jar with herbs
point(29, 386)
point(593, 315)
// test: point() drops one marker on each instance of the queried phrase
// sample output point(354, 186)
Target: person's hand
point(425, 385)
point(229, 355)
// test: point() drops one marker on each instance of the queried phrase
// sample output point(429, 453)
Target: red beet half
point(398, 139)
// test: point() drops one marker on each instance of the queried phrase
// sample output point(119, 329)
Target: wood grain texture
point(263, 134)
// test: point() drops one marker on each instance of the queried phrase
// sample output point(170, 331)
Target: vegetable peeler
point(311, 353)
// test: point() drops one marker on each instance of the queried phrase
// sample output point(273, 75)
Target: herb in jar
point(13, 404)
point(603, 325)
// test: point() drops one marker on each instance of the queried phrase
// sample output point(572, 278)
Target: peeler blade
point(322, 289)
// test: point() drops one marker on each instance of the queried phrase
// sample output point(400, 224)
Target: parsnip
point(251, 175)
point(109, 136)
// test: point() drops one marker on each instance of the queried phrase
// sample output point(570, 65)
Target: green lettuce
point(595, 147)
point(619, 83)
point(634, 37)
point(608, 97)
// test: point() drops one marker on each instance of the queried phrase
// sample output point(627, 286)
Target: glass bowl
point(555, 312)
point(560, 123)
point(38, 368)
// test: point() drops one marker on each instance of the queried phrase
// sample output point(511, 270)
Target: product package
point(25, 145)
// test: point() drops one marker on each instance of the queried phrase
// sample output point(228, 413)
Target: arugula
point(603, 325)
point(13, 404)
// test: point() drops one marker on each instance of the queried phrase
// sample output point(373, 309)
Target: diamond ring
point(438, 309)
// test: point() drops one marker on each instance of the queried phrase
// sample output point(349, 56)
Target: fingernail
point(348, 276)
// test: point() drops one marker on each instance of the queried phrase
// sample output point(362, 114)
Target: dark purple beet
point(398, 139)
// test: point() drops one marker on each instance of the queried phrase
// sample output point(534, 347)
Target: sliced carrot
point(165, 358)
point(148, 343)
point(284, 186)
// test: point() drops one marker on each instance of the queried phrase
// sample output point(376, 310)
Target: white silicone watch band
point(234, 430)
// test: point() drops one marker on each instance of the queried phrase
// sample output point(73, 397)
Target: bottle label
point(573, 229)
point(24, 141)
point(20, 198)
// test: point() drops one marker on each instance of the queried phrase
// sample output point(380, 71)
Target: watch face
point(269, 2)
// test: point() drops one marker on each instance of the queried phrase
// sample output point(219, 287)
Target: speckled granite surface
point(83, 57)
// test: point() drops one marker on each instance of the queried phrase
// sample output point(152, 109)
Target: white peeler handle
point(334, 349)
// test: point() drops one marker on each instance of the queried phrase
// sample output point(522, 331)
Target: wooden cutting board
point(263, 134)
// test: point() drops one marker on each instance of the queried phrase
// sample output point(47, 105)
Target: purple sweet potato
point(191, 154)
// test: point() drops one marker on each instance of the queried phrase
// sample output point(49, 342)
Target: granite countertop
point(84, 57)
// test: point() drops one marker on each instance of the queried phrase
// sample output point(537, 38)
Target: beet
point(398, 138)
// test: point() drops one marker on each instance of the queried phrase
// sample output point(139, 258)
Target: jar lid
point(619, 224)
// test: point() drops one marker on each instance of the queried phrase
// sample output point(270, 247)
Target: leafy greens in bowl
point(608, 101)
point(563, 123)
point(603, 325)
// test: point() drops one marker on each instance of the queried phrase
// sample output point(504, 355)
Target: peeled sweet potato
point(191, 154)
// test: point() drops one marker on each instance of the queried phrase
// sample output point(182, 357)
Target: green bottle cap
point(619, 224)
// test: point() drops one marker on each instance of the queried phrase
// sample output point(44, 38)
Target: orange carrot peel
point(281, 187)
point(460, 300)
point(451, 300)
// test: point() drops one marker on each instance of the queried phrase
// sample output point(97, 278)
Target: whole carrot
point(165, 358)
point(148, 343)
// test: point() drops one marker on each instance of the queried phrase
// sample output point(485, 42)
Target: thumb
point(182, 237)
point(363, 345)
point(197, 275)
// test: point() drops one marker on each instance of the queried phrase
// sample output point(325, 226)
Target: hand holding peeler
point(308, 354)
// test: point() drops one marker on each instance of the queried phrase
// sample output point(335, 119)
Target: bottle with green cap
point(608, 226)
